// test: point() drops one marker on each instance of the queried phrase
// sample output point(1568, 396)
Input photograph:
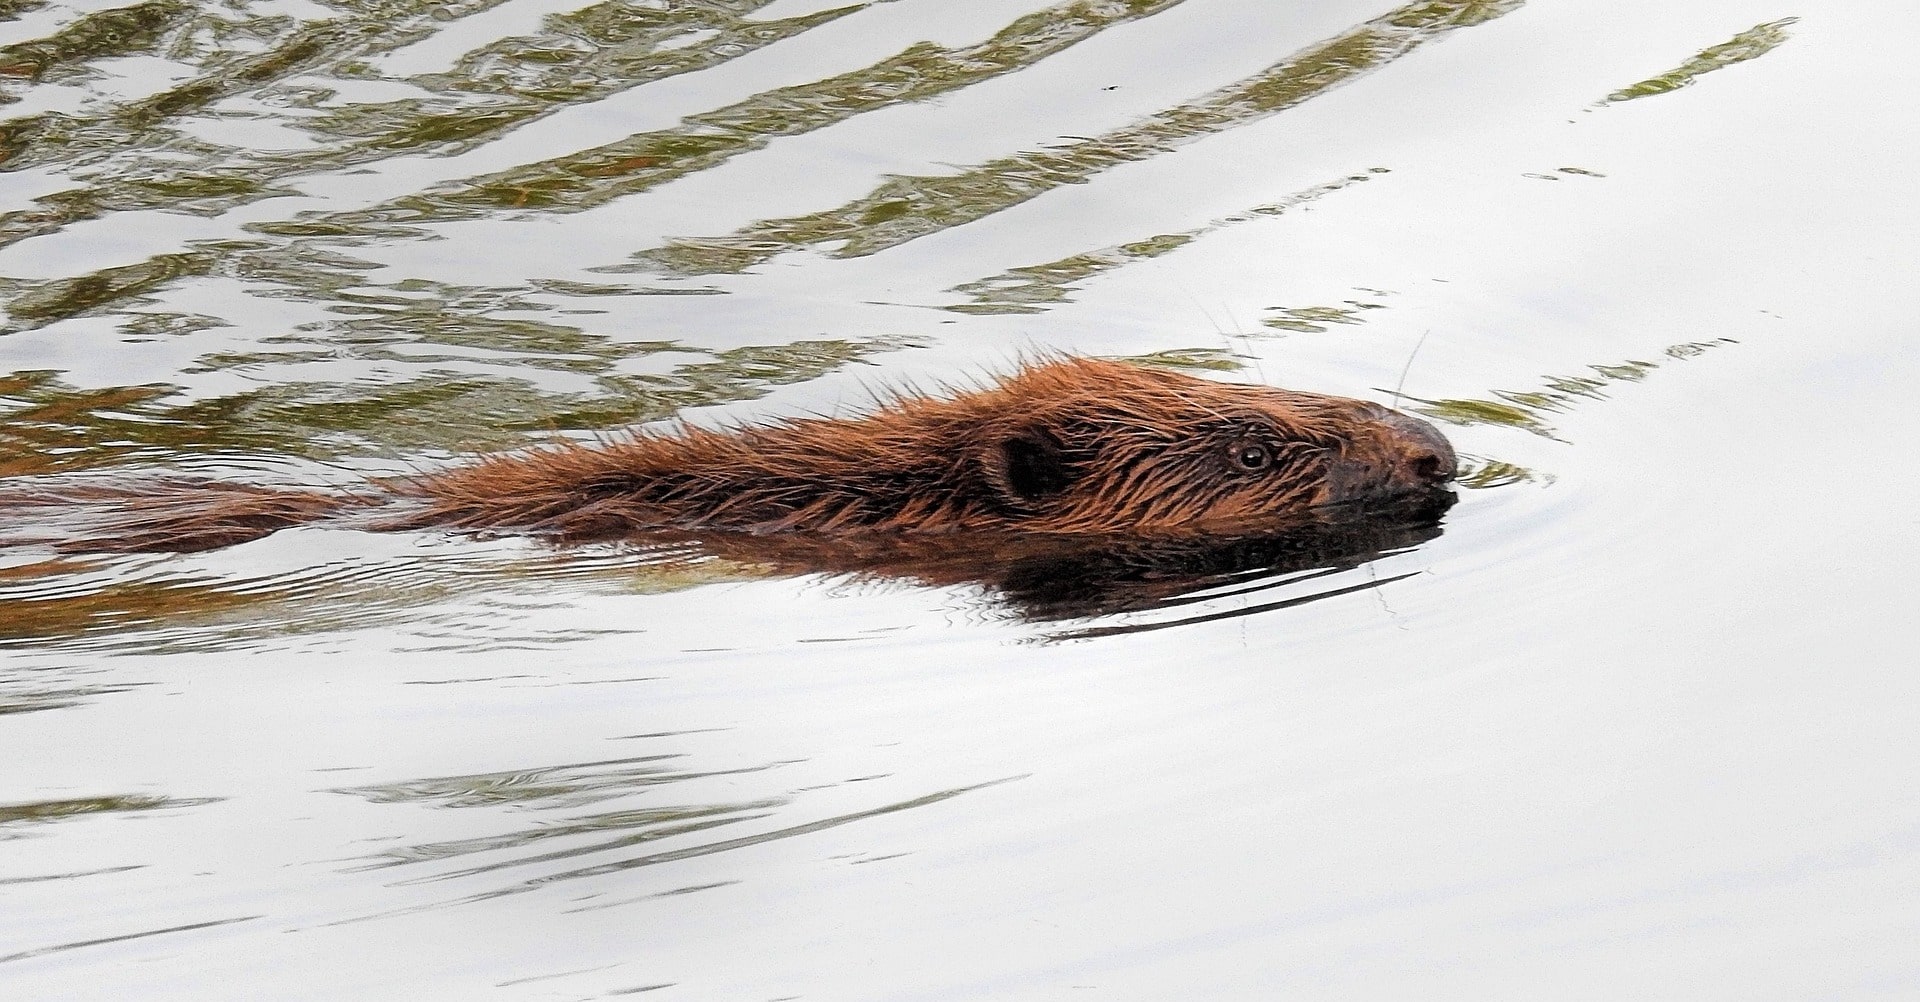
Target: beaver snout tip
point(1424, 452)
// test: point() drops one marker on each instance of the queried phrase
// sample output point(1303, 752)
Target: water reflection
point(905, 208)
point(597, 843)
point(321, 80)
point(581, 180)
point(1048, 578)
point(167, 604)
point(49, 427)
point(19, 698)
point(1749, 44)
point(101, 34)
point(156, 604)
point(1034, 288)
point(13, 816)
point(562, 787)
point(1529, 410)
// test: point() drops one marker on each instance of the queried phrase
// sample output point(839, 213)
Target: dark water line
point(1253, 610)
point(690, 852)
point(62, 947)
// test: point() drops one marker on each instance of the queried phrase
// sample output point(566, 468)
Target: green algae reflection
point(1752, 43)
point(104, 34)
point(1033, 288)
point(48, 427)
point(906, 208)
point(59, 810)
point(1531, 410)
point(708, 139)
point(576, 57)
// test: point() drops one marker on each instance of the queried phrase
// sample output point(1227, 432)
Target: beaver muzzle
point(1426, 458)
point(1402, 455)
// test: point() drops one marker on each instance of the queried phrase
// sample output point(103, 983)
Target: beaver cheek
point(1351, 479)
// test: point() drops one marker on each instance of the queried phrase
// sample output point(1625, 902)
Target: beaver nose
point(1424, 454)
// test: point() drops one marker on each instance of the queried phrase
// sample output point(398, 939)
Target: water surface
point(1636, 722)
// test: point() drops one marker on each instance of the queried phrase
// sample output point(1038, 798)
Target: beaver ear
point(1025, 466)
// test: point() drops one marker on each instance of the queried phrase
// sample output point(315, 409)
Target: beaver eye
point(1250, 456)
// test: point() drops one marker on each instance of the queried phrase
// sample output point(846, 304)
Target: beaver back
point(1069, 446)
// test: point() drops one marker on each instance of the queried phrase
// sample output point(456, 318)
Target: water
point(1637, 723)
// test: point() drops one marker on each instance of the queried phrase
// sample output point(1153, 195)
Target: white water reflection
point(1635, 724)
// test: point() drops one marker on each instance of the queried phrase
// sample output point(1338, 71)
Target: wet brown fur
point(1066, 446)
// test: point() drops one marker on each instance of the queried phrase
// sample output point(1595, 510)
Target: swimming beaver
point(1065, 446)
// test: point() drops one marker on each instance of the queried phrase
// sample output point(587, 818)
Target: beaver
point(1064, 446)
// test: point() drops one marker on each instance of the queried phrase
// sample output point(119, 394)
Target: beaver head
point(1084, 445)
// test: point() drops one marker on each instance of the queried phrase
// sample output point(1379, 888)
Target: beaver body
point(1069, 446)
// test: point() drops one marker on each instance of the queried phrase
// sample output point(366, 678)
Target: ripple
point(37, 812)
